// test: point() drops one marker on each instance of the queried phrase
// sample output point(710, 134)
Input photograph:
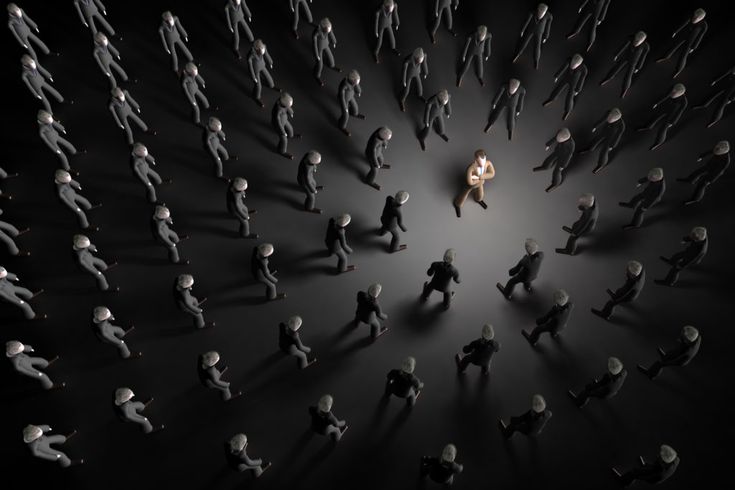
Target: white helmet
point(118, 93)
point(325, 24)
point(538, 404)
point(31, 433)
point(698, 15)
point(210, 358)
point(191, 69)
point(634, 268)
point(561, 297)
point(408, 365)
point(13, 348)
point(100, 38)
point(238, 442)
point(374, 290)
point(101, 313)
point(325, 403)
point(294, 323)
point(614, 365)
point(265, 249)
point(185, 281)
point(81, 241)
point(123, 395)
point(531, 246)
point(488, 332)
point(449, 453)
point(401, 197)
point(259, 46)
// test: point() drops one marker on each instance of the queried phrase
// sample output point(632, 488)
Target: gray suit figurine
point(531, 422)
point(236, 11)
point(605, 387)
point(214, 136)
point(48, 130)
point(635, 279)
point(324, 422)
point(296, 7)
point(443, 11)
point(108, 333)
point(123, 108)
point(238, 459)
point(727, 97)
point(17, 354)
point(386, 18)
point(40, 445)
point(477, 48)
point(281, 115)
point(632, 55)
point(171, 32)
point(675, 103)
point(509, 97)
point(657, 471)
point(306, 181)
point(693, 30)
point(20, 25)
point(93, 11)
point(647, 198)
point(83, 249)
point(187, 302)
point(324, 41)
point(571, 76)
point(594, 12)
point(554, 321)
point(140, 162)
point(37, 80)
point(525, 271)
point(66, 190)
point(538, 27)
point(211, 377)
point(609, 131)
point(369, 311)
point(105, 53)
point(259, 61)
point(349, 90)
point(236, 206)
point(403, 383)
point(129, 410)
point(479, 352)
point(262, 273)
point(7, 233)
point(697, 244)
point(414, 68)
point(17, 295)
point(436, 108)
point(193, 83)
point(161, 227)
point(717, 161)
point(442, 274)
point(586, 223)
point(377, 144)
point(289, 341)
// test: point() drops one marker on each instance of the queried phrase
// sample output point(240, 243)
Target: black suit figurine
point(305, 179)
point(635, 279)
point(681, 355)
point(369, 311)
point(403, 383)
point(609, 130)
point(585, 224)
point(441, 469)
point(594, 12)
point(525, 271)
point(726, 100)
point(509, 97)
point(376, 146)
point(647, 198)
point(479, 352)
point(658, 471)
point(563, 150)
point(717, 162)
point(604, 387)
point(697, 244)
point(477, 48)
point(414, 68)
point(554, 321)
point(571, 75)
point(442, 274)
point(531, 422)
point(676, 103)
point(632, 54)
point(694, 30)
point(436, 108)
point(289, 341)
point(391, 220)
point(336, 242)
point(538, 26)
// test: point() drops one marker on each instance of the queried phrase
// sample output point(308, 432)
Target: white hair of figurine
point(538, 404)
point(531, 246)
point(449, 255)
point(31, 433)
point(576, 60)
point(667, 453)
point(239, 184)
point(44, 117)
point(185, 281)
point(62, 176)
point(294, 323)
point(614, 365)
point(210, 358)
point(285, 99)
point(81, 241)
point(385, 133)
point(325, 403)
point(123, 395)
point(140, 150)
point(449, 453)
point(343, 220)
point(561, 297)
point(699, 233)
point(563, 135)
point(314, 157)
point(443, 96)
point(401, 197)
point(162, 212)
point(634, 268)
point(265, 249)
point(214, 124)
point(408, 365)
point(513, 85)
point(374, 290)
point(639, 38)
point(656, 174)
point(690, 333)
point(238, 443)
point(614, 115)
point(101, 313)
point(13, 348)
point(488, 332)
point(678, 90)
point(721, 148)
point(586, 200)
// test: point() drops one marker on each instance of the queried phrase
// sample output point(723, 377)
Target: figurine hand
point(108, 74)
point(599, 22)
point(404, 84)
point(463, 58)
point(547, 148)
point(86, 25)
point(594, 129)
point(122, 127)
point(39, 97)
point(436, 14)
point(168, 51)
point(376, 33)
point(186, 39)
point(318, 58)
point(25, 46)
point(118, 56)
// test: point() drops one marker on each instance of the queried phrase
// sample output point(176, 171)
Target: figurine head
point(265, 249)
point(690, 333)
point(101, 313)
point(513, 85)
point(239, 184)
point(576, 61)
point(634, 268)
point(698, 233)
point(418, 55)
point(343, 220)
point(374, 290)
point(678, 90)
point(210, 358)
point(698, 16)
point(28, 62)
point(168, 17)
point(449, 453)
point(450, 255)
point(614, 115)
point(408, 365)
point(353, 77)
point(656, 174)
point(45, 117)
point(14, 10)
point(325, 25)
point(314, 157)
point(667, 454)
point(238, 443)
point(481, 32)
point(162, 212)
point(488, 332)
point(538, 404)
point(639, 38)
point(325, 403)
point(13, 348)
point(185, 281)
point(118, 93)
point(3, 272)
point(541, 10)
point(614, 365)
point(31, 433)
point(480, 156)
point(563, 135)
point(259, 46)
point(401, 197)
point(561, 297)
point(443, 97)
point(385, 133)
point(294, 323)
point(721, 148)
point(214, 124)
point(389, 5)
point(100, 39)
point(191, 69)
point(285, 100)
point(62, 176)
point(81, 241)
point(586, 201)
point(140, 150)
point(531, 246)
point(123, 395)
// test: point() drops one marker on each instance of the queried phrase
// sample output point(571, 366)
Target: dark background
point(685, 408)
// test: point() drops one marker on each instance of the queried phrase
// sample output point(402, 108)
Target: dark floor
point(685, 408)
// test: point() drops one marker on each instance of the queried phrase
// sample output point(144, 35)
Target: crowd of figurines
point(401, 382)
